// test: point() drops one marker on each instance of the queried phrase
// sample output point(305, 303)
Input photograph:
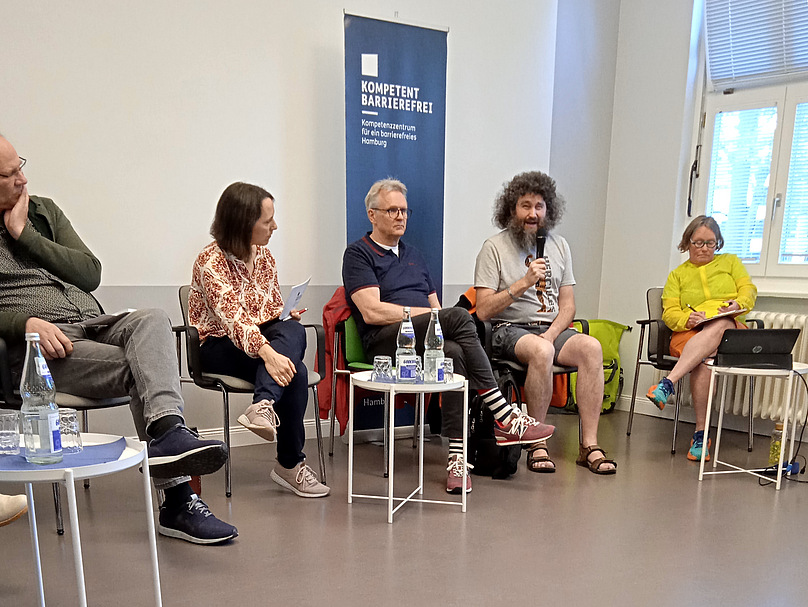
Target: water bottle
point(433, 350)
point(40, 415)
point(776, 445)
point(406, 358)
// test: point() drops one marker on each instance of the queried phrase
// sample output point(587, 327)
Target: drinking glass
point(9, 432)
point(448, 370)
point(382, 369)
point(69, 427)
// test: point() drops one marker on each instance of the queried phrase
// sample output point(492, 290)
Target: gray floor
point(651, 535)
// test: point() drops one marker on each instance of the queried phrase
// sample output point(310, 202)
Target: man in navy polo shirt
point(382, 275)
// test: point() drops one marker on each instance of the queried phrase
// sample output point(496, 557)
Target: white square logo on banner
point(370, 65)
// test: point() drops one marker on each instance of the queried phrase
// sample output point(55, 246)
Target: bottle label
point(406, 367)
point(42, 367)
point(54, 433)
point(407, 329)
point(438, 330)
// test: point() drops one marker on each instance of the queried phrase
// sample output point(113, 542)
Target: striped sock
point(494, 400)
point(455, 446)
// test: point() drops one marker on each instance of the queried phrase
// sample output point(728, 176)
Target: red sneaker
point(522, 430)
point(454, 481)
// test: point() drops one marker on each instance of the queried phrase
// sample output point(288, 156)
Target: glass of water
point(448, 370)
point(9, 432)
point(69, 427)
point(382, 369)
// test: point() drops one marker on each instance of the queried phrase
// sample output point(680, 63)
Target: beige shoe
point(301, 480)
point(261, 418)
point(12, 507)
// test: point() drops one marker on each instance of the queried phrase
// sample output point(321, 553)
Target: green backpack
point(608, 333)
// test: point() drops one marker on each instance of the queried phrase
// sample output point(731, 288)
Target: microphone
point(541, 237)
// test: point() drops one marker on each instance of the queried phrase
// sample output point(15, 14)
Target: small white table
point(786, 374)
point(362, 380)
point(133, 454)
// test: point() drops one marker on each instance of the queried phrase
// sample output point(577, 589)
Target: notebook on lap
point(757, 348)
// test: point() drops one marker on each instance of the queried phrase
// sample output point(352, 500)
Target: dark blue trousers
point(220, 355)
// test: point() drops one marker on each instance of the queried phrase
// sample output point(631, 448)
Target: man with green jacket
point(46, 276)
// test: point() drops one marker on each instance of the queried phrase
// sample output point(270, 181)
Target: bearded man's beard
point(524, 238)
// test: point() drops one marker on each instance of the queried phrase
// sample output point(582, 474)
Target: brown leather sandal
point(533, 459)
point(594, 465)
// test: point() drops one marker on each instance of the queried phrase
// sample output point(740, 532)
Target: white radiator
point(770, 394)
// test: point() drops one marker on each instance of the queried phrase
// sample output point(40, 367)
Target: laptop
point(757, 348)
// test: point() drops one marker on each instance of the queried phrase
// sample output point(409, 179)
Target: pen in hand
point(692, 308)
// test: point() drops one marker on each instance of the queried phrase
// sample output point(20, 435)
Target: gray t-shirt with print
point(501, 262)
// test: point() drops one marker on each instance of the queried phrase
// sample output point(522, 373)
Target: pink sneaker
point(454, 481)
point(522, 430)
point(261, 418)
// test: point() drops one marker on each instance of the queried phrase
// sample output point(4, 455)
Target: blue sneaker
point(697, 446)
point(659, 393)
point(194, 522)
point(181, 452)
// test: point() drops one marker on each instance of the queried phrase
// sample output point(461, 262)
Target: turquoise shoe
point(697, 446)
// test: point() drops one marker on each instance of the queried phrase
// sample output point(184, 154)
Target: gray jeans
point(133, 356)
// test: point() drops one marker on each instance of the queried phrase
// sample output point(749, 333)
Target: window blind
point(756, 42)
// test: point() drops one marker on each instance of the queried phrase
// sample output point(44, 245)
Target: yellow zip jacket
point(707, 288)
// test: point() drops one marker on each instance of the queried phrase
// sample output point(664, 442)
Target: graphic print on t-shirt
point(546, 304)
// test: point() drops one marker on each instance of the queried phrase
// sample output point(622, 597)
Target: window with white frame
point(754, 176)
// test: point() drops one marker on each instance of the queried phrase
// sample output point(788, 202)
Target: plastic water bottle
point(433, 350)
point(776, 445)
point(40, 415)
point(406, 358)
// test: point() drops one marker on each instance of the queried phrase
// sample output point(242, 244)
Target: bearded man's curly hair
point(531, 182)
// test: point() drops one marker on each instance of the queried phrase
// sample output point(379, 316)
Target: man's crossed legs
point(134, 355)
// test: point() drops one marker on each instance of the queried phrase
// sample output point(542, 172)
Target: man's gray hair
point(383, 185)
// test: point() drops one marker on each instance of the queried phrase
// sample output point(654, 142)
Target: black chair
point(658, 356)
point(227, 384)
point(11, 399)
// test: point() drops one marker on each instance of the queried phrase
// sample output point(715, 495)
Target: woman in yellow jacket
point(702, 287)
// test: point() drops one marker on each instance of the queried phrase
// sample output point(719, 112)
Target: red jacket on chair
point(334, 312)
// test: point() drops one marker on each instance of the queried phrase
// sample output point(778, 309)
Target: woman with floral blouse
point(235, 304)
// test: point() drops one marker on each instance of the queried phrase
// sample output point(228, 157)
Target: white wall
point(583, 100)
point(651, 120)
point(134, 117)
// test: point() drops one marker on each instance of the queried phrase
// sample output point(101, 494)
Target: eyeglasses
point(395, 212)
point(17, 171)
point(710, 244)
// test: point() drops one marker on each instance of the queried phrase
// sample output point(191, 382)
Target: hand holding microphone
point(541, 240)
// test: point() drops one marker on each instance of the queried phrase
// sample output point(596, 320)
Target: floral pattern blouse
point(227, 301)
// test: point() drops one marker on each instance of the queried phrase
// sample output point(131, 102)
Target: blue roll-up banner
point(395, 126)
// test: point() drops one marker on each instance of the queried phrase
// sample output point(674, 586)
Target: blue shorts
point(505, 336)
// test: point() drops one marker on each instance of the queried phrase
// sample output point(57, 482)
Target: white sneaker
point(261, 418)
point(300, 480)
point(12, 507)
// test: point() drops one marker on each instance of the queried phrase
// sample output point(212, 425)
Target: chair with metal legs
point(658, 356)
point(227, 384)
